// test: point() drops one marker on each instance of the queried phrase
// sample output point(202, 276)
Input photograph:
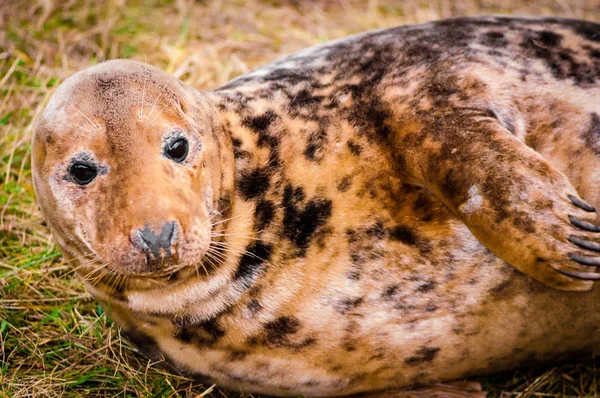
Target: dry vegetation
point(54, 340)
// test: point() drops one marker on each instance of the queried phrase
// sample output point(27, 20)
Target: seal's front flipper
point(511, 199)
point(459, 389)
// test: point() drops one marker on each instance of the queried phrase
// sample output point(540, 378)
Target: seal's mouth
point(161, 271)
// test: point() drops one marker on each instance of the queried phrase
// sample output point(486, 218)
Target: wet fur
point(360, 201)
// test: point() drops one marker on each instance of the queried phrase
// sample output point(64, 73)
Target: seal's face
point(123, 171)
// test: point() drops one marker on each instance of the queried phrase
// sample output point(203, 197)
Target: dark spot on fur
point(344, 184)
point(304, 98)
point(224, 205)
point(212, 332)
point(253, 260)
point(278, 330)
point(321, 236)
point(260, 124)
point(549, 39)
point(349, 346)
point(301, 220)
point(237, 355)
point(423, 354)
point(358, 259)
point(354, 273)
point(348, 304)
point(263, 215)
point(524, 222)
point(240, 154)
point(354, 148)
point(389, 292)
point(254, 306)
point(351, 235)
point(371, 119)
point(253, 183)
point(266, 139)
point(589, 30)
point(207, 332)
point(403, 234)
point(501, 287)
point(186, 335)
point(495, 39)
point(315, 144)
point(592, 135)
point(426, 287)
point(376, 231)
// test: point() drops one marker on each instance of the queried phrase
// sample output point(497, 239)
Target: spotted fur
point(382, 211)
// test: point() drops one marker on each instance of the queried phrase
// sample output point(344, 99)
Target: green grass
point(54, 339)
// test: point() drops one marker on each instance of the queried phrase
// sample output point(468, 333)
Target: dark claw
point(586, 276)
point(581, 204)
point(586, 244)
point(593, 261)
point(587, 226)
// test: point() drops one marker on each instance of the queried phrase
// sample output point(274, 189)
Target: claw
point(584, 243)
point(581, 204)
point(592, 261)
point(585, 225)
point(586, 276)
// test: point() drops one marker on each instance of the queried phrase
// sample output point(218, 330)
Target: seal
point(399, 208)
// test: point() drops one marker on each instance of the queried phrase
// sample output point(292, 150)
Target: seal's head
point(126, 169)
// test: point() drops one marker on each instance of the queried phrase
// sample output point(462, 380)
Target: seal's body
point(396, 208)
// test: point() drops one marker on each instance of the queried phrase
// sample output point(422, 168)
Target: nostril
point(140, 241)
point(168, 235)
point(174, 234)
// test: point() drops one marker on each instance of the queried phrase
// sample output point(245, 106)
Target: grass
point(54, 339)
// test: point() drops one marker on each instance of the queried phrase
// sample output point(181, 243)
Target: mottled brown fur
point(383, 211)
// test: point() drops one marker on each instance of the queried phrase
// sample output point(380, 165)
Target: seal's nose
point(152, 241)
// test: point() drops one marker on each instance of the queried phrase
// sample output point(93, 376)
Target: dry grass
point(54, 340)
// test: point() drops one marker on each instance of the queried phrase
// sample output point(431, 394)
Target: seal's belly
point(384, 327)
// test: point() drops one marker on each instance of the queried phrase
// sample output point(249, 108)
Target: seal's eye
point(177, 150)
point(83, 173)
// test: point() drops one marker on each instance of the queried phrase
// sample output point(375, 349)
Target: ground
point(54, 339)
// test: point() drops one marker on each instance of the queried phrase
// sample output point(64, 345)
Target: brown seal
point(397, 208)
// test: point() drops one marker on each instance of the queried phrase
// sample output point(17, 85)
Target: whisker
point(223, 250)
point(81, 127)
point(95, 274)
point(211, 261)
point(94, 125)
point(159, 113)
point(143, 91)
point(159, 95)
point(234, 217)
point(83, 264)
point(242, 235)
